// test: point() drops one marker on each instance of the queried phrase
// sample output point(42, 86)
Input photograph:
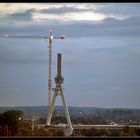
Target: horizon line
point(69, 106)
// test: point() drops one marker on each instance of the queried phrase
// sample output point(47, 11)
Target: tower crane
point(50, 39)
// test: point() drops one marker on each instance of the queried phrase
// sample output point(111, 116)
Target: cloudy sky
point(100, 55)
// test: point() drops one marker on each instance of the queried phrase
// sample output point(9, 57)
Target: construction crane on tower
point(50, 39)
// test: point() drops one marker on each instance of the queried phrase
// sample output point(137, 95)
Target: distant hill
point(107, 113)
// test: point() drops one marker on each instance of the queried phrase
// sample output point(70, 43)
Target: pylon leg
point(66, 111)
point(51, 110)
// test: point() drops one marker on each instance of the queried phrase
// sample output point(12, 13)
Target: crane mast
point(49, 71)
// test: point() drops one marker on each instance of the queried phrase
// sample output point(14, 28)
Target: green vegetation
point(127, 131)
point(105, 133)
point(14, 123)
point(10, 122)
point(118, 115)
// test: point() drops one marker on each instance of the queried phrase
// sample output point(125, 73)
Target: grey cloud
point(104, 31)
point(108, 27)
point(62, 10)
point(132, 9)
point(23, 16)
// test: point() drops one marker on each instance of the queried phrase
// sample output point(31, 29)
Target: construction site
point(69, 69)
point(58, 89)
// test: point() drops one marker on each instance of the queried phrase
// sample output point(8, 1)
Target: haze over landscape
point(100, 55)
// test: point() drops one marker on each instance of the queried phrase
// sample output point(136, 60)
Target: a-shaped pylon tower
point(58, 90)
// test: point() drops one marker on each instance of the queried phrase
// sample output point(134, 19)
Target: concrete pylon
point(58, 90)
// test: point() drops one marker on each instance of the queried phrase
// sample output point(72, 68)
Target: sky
point(100, 54)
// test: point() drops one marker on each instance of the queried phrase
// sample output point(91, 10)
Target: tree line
point(10, 122)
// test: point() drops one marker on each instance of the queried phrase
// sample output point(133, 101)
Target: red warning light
point(63, 36)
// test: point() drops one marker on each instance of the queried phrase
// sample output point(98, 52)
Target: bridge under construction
point(76, 127)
